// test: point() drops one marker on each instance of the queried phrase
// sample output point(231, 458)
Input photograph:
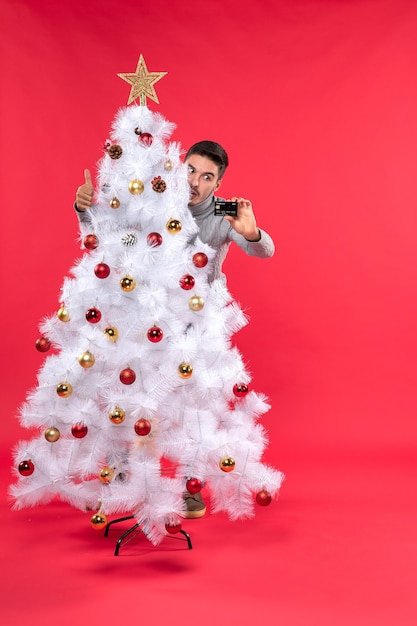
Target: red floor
point(338, 547)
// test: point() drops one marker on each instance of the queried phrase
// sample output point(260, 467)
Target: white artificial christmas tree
point(143, 394)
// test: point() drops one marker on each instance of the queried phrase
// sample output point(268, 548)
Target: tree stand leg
point(119, 542)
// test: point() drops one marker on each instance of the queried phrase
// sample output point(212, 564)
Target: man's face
point(203, 178)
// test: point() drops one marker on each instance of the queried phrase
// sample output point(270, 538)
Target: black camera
point(225, 207)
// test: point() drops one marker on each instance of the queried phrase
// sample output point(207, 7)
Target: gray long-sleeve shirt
point(219, 234)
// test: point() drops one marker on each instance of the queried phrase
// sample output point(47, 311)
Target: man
point(207, 162)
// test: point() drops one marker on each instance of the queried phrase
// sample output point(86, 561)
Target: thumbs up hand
point(85, 193)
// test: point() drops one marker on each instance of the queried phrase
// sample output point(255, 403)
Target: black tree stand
point(128, 532)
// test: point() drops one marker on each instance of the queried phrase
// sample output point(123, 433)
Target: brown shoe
point(194, 506)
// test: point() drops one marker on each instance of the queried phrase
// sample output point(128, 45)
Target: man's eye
point(190, 169)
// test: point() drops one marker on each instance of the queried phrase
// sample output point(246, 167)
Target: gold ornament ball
point(136, 187)
point(128, 283)
point(106, 474)
point(227, 464)
point(196, 303)
point(115, 203)
point(64, 390)
point(52, 434)
point(86, 360)
point(63, 314)
point(117, 416)
point(98, 521)
point(111, 333)
point(173, 226)
point(185, 370)
point(168, 165)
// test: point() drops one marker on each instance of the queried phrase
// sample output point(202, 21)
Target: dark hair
point(212, 151)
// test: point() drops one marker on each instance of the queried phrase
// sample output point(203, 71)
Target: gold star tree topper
point(142, 83)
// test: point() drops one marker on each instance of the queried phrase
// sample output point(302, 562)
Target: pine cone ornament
point(130, 239)
point(158, 184)
point(115, 151)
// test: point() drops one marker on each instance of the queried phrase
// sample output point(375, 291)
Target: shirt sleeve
point(83, 216)
point(263, 249)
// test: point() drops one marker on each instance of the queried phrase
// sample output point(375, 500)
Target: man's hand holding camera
point(244, 222)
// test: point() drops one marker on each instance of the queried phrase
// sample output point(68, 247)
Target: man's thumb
point(87, 177)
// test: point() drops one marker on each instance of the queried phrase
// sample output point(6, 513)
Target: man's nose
point(193, 180)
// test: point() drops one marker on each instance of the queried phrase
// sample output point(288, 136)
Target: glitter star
point(142, 83)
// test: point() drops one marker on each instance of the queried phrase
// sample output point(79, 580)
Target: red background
point(315, 102)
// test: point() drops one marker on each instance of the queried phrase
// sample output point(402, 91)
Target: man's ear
point(219, 182)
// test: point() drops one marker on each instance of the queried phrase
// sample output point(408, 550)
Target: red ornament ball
point(173, 528)
point(42, 344)
point(200, 259)
point(155, 334)
point(93, 315)
point(143, 427)
point(90, 242)
point(154, 240)
point(193, 485)
point(146, 139)
point(101, 270)
point(187, 282)
point(240, 390)
point(127, 376)
point(79, 431)
point(263, 498)
point(26, 468)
